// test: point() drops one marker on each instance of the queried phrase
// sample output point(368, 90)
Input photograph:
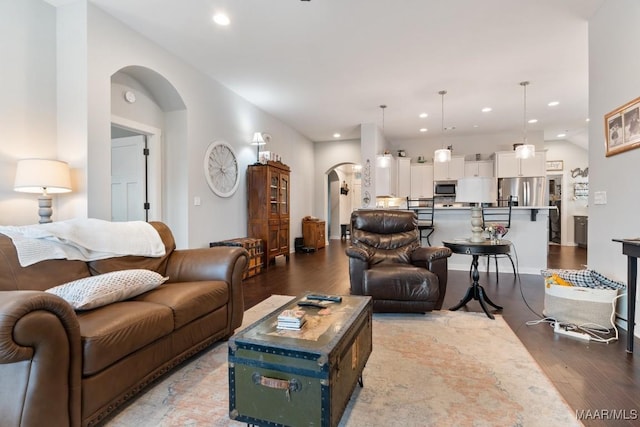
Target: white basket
point(578, 305)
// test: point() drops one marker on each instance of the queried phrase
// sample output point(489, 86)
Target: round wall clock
point(221, 168)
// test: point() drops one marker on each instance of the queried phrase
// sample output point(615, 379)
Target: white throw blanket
point(83, 239)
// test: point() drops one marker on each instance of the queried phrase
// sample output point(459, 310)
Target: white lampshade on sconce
point(524, 150)
point(477, 190)
point(43, 176)
point(442, 155)
point(258, 140)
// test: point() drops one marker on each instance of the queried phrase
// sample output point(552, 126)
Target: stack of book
point(291, 319)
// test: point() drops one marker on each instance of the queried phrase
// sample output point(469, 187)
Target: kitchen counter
point(528, 233)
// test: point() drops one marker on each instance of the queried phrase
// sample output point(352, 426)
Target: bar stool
point(424, 209)
point(500, 215)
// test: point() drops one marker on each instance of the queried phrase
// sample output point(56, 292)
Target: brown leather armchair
point(387, 262)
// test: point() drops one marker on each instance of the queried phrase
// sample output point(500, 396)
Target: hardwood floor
point(590, 376)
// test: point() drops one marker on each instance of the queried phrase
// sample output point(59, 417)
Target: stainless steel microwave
point(445, 189)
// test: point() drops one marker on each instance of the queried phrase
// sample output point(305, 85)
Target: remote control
point(316, 304)
point(332, 298)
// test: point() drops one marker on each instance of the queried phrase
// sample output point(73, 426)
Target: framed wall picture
point(555, 165)
point(622, 128)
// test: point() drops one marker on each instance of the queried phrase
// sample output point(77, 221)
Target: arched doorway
point(343, 196)
point(141, 101)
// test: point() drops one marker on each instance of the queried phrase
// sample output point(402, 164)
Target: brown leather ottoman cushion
point(400, 283)
point(114, 331)
point(188, 300)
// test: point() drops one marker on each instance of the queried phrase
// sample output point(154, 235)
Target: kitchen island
point(528, 234)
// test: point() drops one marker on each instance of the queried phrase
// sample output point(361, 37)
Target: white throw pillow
point(103, 289)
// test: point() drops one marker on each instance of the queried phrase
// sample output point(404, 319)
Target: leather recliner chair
point(387, 262)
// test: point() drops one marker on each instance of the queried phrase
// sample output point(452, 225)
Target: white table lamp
point(258, 140)
point(478, 190)
point(43, 176)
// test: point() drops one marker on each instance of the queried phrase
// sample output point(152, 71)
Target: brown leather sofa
point(59, 367)
point(387, 262)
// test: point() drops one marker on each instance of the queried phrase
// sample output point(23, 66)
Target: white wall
point(613, 81)
point(72, 103)
point(212, 113)
point(56, 102)
point(28, 100)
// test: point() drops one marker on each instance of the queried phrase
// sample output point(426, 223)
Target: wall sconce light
point(344, 188)
point(42, 176)
point(258, 140)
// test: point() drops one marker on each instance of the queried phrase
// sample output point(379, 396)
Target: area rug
point(440, 369)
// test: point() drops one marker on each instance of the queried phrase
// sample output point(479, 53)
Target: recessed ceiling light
point(423, 115)
point(553, 103)
point(221, 19)
point(487, 109)
point(588, 119)
point(423, 129)
point(336, 135)
point(476, 126)
point(561, 135)
point(532, 121)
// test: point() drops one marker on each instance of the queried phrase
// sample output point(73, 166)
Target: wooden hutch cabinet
point(268, 217)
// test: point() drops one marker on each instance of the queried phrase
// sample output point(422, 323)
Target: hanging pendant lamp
point(383, 160)
point(442, 155)
point(524, 150)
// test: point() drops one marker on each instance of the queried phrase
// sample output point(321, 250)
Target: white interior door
point(128, 179)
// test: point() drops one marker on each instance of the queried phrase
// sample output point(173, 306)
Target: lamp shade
point(42, 176)
point(257, 139)
point(442, 155)
point(525, 151)
point(476, 189)
point(383, 160)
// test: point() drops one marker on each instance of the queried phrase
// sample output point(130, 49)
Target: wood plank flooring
point(590, 376)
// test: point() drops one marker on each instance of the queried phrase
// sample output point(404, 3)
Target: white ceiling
point(325, 66)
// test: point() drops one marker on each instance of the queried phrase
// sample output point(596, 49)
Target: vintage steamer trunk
point(253, 246)
point(300, 378)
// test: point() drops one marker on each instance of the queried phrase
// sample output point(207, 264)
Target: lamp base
point(45, 211)
point(476, 225)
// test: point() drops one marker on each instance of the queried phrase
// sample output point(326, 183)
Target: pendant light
point(384, 159)
point(442, 155)
point(524, 150)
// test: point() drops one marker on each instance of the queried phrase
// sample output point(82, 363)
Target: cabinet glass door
point(284, 194)
point(273, 195)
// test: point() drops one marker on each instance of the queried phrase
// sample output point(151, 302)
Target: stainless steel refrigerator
point(529, 191)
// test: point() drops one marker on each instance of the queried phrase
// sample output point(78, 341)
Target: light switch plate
point(600, 198)
point(196, 201)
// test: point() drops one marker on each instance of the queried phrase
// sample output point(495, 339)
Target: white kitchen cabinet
point(507, 166)
point(479, 168)
point(421, 181)
point(404, 177)
point(448, 171)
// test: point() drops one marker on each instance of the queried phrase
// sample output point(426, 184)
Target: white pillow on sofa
point(103, 289)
